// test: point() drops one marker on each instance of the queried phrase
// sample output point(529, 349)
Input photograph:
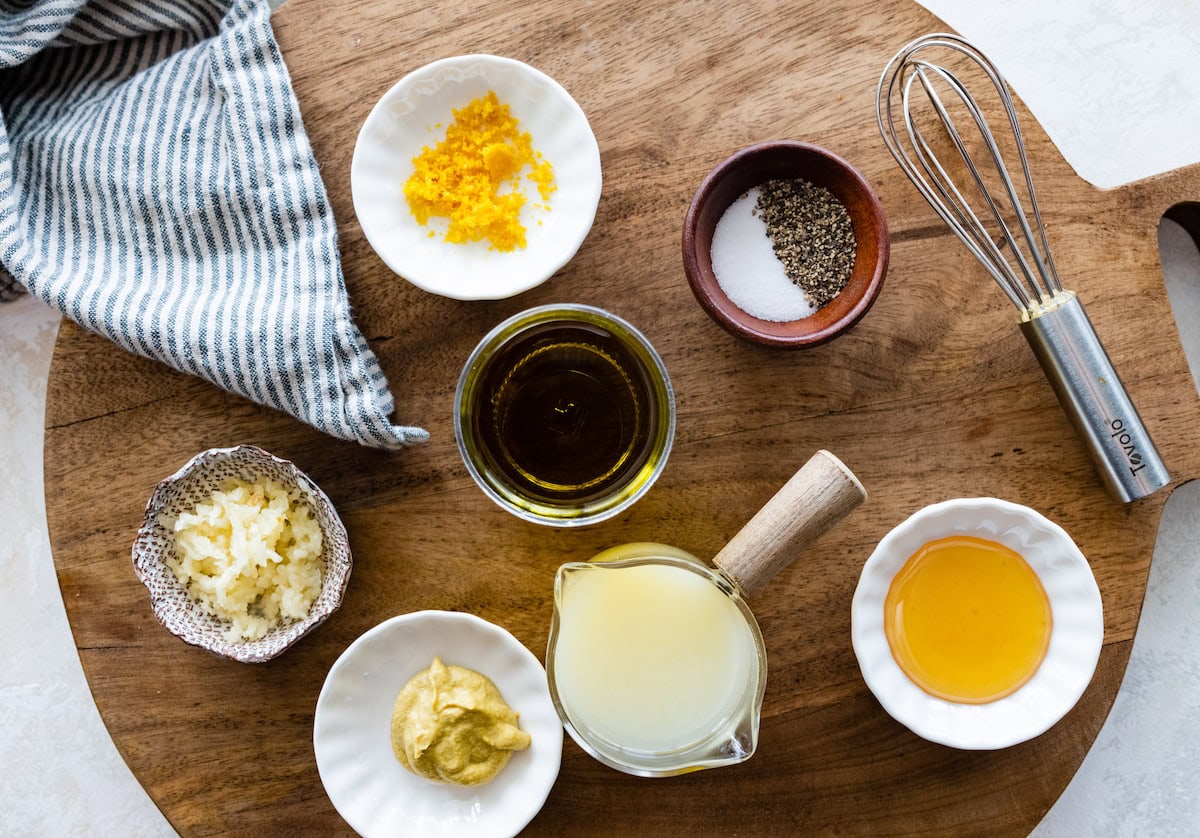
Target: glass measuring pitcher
point(656, 664)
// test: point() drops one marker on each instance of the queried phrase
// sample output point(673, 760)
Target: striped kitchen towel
point(157, 187)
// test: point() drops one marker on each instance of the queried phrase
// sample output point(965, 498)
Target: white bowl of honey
point(977, 623)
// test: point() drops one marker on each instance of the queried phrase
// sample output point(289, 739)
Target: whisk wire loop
point(1018, 258)
point(969, 227)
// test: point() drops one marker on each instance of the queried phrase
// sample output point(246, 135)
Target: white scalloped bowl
point(369, 787)
point(414, 114)
point(1075, 639)
point(194, 483)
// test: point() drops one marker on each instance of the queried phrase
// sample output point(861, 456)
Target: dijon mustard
point(451, 725)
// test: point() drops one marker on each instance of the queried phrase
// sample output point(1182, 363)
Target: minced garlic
point(462, 177)
point(251, 556)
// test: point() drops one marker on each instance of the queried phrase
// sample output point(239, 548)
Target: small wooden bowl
point(784, 159)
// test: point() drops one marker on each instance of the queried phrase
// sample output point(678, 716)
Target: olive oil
point(564, 415)
point(565, 412)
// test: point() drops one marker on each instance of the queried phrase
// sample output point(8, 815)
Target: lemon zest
point(473, 177)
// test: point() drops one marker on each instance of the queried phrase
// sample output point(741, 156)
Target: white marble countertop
point(1114, 83)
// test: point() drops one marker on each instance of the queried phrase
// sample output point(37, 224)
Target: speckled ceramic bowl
point(175, 609)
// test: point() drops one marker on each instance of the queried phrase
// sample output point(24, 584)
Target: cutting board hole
point(1179, 254)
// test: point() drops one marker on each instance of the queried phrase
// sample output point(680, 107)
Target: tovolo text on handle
point(1094, 399)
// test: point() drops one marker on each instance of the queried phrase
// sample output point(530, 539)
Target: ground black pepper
point(811, 233)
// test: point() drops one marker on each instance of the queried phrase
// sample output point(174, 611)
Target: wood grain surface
point(933, 395)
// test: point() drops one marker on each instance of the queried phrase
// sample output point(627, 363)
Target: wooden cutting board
point(933, 395)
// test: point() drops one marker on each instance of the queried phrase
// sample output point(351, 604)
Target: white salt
point(747, 268)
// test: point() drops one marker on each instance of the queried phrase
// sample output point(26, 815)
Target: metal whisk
point(1014, 250)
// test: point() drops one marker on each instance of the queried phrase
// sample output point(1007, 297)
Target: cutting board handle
point(821, 493)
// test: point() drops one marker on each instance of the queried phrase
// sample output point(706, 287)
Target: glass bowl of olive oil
point(564, 415)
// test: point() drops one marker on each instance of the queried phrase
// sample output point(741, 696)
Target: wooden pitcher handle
point(819, 495)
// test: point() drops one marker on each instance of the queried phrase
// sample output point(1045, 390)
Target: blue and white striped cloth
point(157, 187)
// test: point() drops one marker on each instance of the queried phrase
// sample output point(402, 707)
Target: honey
point(967, 620)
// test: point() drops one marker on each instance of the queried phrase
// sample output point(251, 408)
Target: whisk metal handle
point(1095, 401)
